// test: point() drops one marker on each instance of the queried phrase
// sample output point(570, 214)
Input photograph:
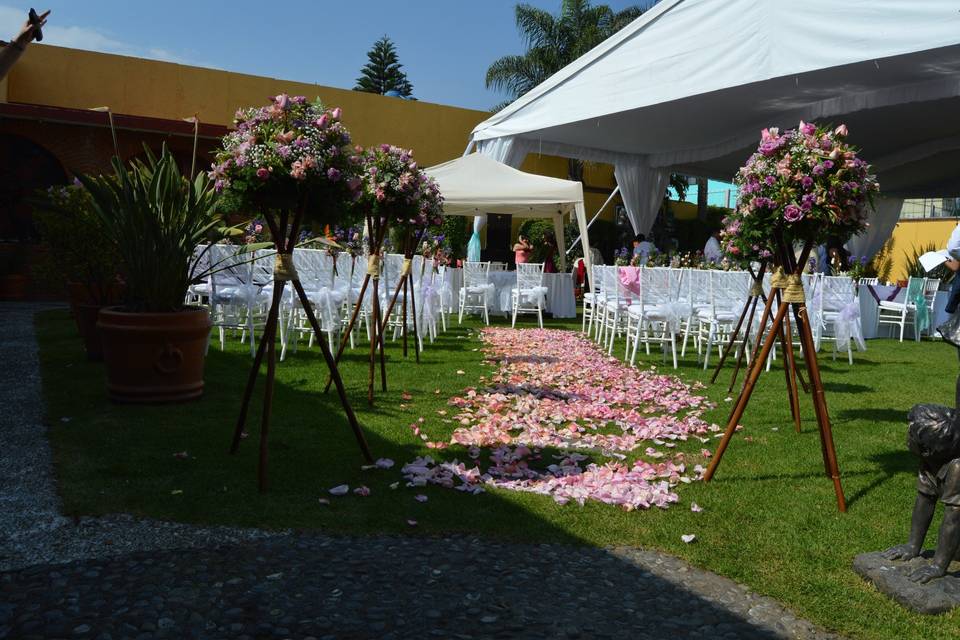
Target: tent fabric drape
point(883, 218)
point(642, 189)
point(510, 151)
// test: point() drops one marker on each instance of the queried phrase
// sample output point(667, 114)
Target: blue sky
point(445, 45)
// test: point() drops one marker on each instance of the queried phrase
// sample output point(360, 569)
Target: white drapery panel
point(883, 218)
point(509, 150)
point(642, 189)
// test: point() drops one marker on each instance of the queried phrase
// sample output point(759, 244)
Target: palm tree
point(553, 42)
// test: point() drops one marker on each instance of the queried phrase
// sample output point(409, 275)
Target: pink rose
point(322, 121)
point(807, 128)
point(841, 130)
point(263, 173)
point(336, 113)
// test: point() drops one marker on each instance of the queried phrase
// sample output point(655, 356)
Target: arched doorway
point(25, 168)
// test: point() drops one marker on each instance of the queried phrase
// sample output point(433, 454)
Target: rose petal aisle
point(555, 390)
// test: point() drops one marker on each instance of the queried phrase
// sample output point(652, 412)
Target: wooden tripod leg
point(764, 317)
point(754, 373)
point(406, 287)
point(416, 336)
point(269, 330)
point(334, 372)
point(268, 391)
point(350, 325)
point(375, 328)
point(383, 358)
point(745, 344)
point(820, 403)
point(789, 330)
point(732, 341)
point(789, 367)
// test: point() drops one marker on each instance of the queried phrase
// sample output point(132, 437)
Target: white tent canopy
point(476, 185)
point(688, 86)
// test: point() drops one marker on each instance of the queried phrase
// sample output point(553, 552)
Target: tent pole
point(615, 191)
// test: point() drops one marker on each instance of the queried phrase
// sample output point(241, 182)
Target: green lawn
point(769, 518)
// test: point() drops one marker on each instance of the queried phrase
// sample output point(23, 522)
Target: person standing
point(711, 250)
point(642, 248)
point(953, 248)
point(522, 250)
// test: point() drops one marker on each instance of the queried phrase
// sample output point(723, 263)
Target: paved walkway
point(117, 577)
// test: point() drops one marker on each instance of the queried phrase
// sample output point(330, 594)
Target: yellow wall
point(916, 235)
point(72, 78)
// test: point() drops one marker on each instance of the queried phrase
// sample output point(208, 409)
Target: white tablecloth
point(868, 312)
point(560, 300)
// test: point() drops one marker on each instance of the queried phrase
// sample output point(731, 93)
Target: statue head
point(933, 433)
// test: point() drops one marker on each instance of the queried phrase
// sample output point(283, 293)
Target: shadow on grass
point(891, 464)
point(311, 449)
point(873, 414)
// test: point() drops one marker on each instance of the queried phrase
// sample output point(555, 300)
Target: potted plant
point(81, 256)
point(154, 218)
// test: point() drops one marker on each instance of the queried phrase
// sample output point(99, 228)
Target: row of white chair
point(527, 296)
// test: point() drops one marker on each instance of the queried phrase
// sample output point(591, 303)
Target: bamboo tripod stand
point(790, 298)
point(791, 372)
point(284, 271)
point(376, 231)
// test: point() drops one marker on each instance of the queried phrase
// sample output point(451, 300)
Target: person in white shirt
point(711, 250)
point(953, 248)
point(643, 248)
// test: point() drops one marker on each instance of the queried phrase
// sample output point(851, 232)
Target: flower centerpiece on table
point(435, 246)
point(804, 184)
point(398, 194)
point(622, 257)
point(292, 155)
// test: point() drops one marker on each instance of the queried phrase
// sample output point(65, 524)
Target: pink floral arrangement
point(287, 148)
point(394, 187)
point(806, 183)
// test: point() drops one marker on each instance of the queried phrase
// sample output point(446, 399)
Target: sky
point(444, 45)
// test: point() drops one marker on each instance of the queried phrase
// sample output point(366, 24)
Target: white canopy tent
point(476, 185)
point(688, 86)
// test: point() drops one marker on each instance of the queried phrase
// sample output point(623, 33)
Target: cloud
point(76, 37)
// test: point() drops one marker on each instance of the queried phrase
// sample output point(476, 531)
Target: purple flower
point(770, 181)
point(333, 174)
point(818, 170)
point(792, 213)
point(807, 182)
point(828, 164)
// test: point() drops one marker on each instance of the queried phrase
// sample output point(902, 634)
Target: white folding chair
point(528, 296)
point(236, 300)
point(899, 313)
point(654, 317)
point(476, 290)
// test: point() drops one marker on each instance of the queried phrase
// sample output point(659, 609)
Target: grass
point(770, 519)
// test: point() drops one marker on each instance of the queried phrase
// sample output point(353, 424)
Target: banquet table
point(560, 301)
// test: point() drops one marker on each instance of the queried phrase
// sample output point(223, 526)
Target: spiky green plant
point(155, 218)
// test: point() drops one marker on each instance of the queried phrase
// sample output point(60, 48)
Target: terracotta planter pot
point(154, 357)
point(14, 286)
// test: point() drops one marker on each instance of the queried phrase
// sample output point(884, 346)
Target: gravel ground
point(118, 577)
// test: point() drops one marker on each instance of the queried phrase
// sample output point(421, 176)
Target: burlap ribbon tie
point(373, 266)
point(757, 289)
point(407, 267)
point(283, 268)
point(778, 279)
point(793, 292)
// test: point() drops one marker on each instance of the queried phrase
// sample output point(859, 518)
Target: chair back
point(610, 276)
point(915, 289)
point(656, 286)
point(836, 292)
point(498, 266)
point(529, 275)
point(930, 288)
point(476, 274)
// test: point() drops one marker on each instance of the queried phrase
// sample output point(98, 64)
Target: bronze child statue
point(934, 436)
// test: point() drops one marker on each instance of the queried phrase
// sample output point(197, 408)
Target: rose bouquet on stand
point(801, 186)
point(393, 193)
point(290, 160)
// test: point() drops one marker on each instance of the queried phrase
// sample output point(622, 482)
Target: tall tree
point(554, 41)
point(383, 71)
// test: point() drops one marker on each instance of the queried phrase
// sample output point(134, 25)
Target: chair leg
point(673, 347)
point(706, 352)
point(516, 303)
point(540, 314)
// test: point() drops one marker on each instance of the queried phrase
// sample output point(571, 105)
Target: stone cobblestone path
point(165, 580)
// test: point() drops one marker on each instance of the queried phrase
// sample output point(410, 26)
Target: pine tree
point(383, 71)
